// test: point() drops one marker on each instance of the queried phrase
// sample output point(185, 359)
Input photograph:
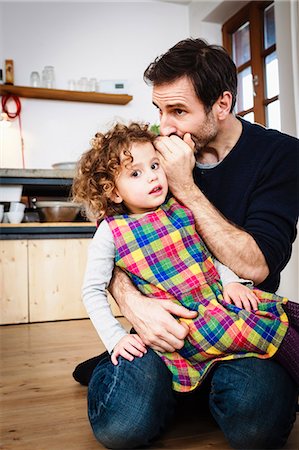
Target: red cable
point(13, 115)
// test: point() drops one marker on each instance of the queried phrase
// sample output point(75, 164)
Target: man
point(243, 194)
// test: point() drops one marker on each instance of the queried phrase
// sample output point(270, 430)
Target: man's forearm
point(122, 291)
point(231, 245)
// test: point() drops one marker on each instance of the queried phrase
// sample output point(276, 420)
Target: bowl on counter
point(57, 211)
point(68, 165)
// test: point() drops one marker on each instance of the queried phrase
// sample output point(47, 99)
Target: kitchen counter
point(36, 173)
point(43, 184)
point(47, 230)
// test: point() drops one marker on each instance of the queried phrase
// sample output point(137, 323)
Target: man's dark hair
point(209, 67)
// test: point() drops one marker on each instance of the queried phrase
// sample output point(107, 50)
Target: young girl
point(153, 239)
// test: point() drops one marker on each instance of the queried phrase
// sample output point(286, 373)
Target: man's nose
point(166, 127)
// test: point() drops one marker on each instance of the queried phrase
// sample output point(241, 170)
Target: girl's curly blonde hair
point(98, 168)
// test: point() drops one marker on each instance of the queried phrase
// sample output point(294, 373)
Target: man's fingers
point(188, 140)
point(140, 345)
point(164, 346)
point(178, 310)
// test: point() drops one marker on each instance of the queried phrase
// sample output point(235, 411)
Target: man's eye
point(136, 173)
point(155, 166)
point(179, 112)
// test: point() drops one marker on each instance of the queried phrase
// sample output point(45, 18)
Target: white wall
point(286, 24)
point(103, 40)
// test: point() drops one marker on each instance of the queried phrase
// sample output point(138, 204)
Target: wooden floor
point(43, 408)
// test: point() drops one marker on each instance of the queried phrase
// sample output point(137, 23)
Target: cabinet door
point(56, 269)
point(13, 282)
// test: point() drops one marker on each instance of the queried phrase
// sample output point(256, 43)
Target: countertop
point(36, 173)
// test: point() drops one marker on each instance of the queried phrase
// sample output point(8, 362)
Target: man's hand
point(240, 295)
point(154, 322)
point(151, 318)
point(179, 154)
point(129, 346)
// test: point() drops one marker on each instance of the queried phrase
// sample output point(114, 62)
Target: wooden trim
point(256, 44)
point(244, 66)
point(64, 95)
point(245, 111)
point(267, 101)
point(269, 50)
point(252, 13)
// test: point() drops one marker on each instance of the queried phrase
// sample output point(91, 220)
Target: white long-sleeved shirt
point(98, 273)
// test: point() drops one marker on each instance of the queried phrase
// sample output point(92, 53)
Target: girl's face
point(142, 183)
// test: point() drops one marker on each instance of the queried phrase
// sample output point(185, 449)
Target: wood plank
point(56, 269)
point(65, 95)
point(43, 408)
point(13, 282)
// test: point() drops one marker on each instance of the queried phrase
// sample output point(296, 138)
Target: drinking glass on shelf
point(92, 84)
point(83, 84)
point(48, 78)
point(34, 79)
point(72, 85)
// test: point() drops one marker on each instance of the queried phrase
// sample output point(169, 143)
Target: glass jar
point(48, 78)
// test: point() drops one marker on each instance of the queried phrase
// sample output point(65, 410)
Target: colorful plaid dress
point(165, 258)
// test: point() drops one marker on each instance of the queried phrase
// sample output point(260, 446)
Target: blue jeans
point(253, 401)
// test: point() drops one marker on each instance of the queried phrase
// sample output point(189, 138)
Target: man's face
point(182, 112)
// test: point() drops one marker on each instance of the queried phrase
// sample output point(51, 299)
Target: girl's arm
point(98, 273)
point(227, 275)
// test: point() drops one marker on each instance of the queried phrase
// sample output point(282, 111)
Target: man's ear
point(223, 105)
point(115, 197)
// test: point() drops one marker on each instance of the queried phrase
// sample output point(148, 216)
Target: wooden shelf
point(64, 95)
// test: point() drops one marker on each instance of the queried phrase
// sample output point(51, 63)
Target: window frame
point(253, 13)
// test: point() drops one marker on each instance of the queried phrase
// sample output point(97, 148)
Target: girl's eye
point(136, 173)
point(155, 166)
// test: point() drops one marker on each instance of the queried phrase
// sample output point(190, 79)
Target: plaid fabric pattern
point(165, 258)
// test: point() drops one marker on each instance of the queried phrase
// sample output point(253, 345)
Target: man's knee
point(130, 403)
point(253, 402)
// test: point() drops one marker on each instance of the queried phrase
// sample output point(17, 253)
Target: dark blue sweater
point(256, 187)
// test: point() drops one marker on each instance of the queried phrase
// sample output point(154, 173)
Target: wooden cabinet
point(14, 281)
point(56, 269)
point(41, 280)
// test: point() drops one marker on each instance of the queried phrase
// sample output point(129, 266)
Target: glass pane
point(272, 79)
point(241, 45)
point(269, 27)
point(245, 90)
point(273, 115)
point(249, 117)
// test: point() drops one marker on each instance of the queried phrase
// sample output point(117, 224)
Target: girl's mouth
point(156, 190)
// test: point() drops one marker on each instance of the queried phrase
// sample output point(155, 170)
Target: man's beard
point(207, 135)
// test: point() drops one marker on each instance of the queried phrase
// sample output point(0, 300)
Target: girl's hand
point(129, 346)
point(240, 295)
